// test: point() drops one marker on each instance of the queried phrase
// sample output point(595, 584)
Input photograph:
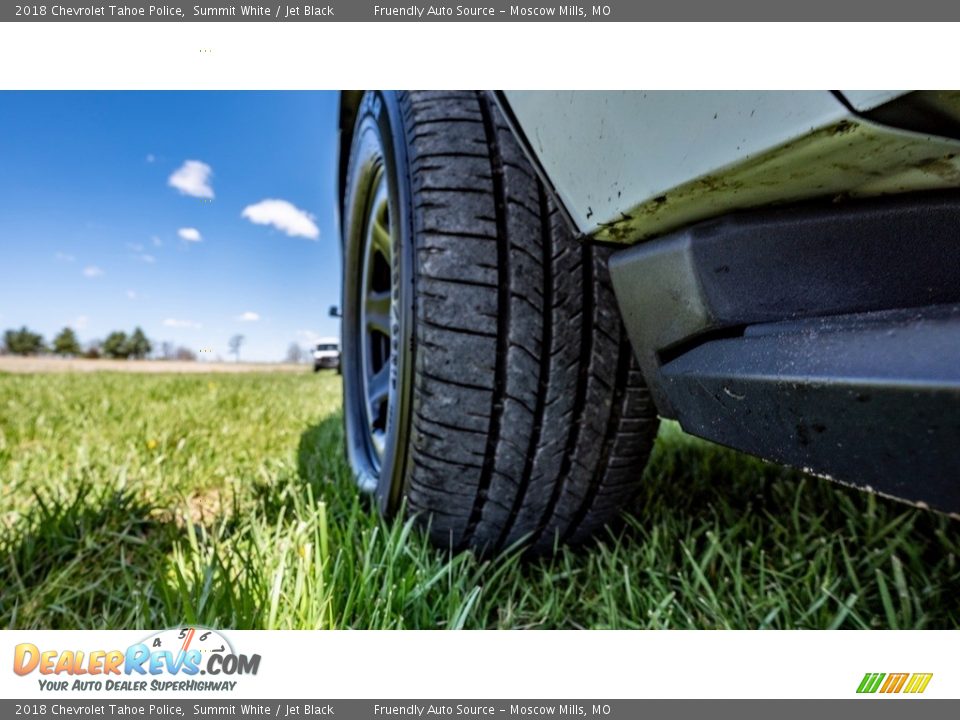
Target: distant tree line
point(23, 342)
point(117, 345)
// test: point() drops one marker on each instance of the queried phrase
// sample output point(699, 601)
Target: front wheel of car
point(487, 377)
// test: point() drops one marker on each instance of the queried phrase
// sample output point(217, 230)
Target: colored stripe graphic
point(918, 682)
point(870, 682)
point(894, 683)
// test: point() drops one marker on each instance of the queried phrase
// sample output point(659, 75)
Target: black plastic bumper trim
point(772, 266)
point(873, 401)
point(824, 337)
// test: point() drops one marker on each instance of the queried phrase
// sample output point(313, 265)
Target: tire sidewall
point(378, 137)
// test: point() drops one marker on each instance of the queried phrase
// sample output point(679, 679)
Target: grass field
point(144, 501)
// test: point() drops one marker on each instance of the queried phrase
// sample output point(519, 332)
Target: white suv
point(326, 354)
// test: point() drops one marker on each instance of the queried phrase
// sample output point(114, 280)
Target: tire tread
point(531, 422)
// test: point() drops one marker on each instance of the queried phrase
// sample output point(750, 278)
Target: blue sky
point(104, 194)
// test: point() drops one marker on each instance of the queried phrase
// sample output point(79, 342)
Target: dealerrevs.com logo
point(888, 683)
point(170, 660)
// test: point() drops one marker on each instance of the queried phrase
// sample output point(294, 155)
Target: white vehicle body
point(632, 165)
point(326, 353)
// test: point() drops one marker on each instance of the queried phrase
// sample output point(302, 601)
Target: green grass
point(147, 501)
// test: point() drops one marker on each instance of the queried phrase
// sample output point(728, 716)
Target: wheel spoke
point(377, 312)
point(380, 233)
point(378, 390)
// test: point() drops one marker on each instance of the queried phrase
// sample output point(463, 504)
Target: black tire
point(516, 410)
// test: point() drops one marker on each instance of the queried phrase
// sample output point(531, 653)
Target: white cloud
point(173, 323)
point(248, 316)
point(132, 294)
point(193, 179)
point(63, 257)
point(189, 234)
point(81, 322)
point(284, 216)
point(92, 271)
point(151, 157)
point(157, 242)
point(309, 336)
point(150, 259)
point(136, 247)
